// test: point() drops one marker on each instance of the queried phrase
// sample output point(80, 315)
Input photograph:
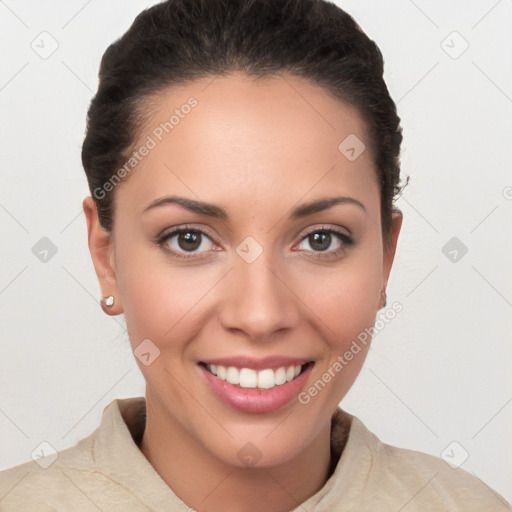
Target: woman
point(243, 160)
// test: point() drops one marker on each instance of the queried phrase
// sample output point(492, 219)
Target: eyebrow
point(216, 212)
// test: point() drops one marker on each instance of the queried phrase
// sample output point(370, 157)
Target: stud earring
point(108, 301)
point(383, 294)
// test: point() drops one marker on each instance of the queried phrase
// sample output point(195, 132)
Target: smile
point(266, 378)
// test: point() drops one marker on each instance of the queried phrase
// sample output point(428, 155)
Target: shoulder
point(48, 482)
point(89, 476)
point(423, 482)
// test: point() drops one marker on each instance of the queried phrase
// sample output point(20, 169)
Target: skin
point(256, 149)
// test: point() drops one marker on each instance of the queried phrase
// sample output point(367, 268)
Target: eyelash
point(343, 237)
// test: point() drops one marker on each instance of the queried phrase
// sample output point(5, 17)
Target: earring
point(108, 301)
point(383, 294)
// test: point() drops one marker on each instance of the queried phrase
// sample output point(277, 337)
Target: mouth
point(266, 378)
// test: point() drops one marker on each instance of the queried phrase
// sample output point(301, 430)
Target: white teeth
point(249, 378)
point(221, 372)
point(232, 375)
point(280, 376)
point(266, 379)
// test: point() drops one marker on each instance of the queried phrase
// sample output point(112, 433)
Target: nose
point(259, 300)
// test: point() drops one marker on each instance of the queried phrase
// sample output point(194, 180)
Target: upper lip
point(257, 363)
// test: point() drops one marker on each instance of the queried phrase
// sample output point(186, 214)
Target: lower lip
point(256, 400)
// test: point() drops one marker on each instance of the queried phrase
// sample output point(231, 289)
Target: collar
point(117, 453)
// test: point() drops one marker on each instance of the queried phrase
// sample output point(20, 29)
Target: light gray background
point(439, 372)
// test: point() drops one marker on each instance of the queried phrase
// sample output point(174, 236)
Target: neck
point(204, 482)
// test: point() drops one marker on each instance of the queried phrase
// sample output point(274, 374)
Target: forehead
point(244, 139)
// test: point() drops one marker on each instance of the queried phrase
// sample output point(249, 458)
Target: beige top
point(106, 471)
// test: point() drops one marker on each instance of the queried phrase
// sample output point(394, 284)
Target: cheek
point(160, 301)
point(346, 312)
point(344, 299)
point(344, 303)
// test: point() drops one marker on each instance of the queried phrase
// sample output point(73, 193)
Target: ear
point(101, 248)
point(390, 248)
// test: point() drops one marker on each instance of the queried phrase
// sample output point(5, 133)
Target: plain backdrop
point(437, 378)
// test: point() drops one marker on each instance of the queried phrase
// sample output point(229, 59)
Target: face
point(245, 276)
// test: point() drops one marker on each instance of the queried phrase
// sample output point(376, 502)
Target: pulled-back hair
point(177, 41)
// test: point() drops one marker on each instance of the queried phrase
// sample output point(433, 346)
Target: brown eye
point(326, 242)
point(189, 240)
point(186, 242)
point(320, 241)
